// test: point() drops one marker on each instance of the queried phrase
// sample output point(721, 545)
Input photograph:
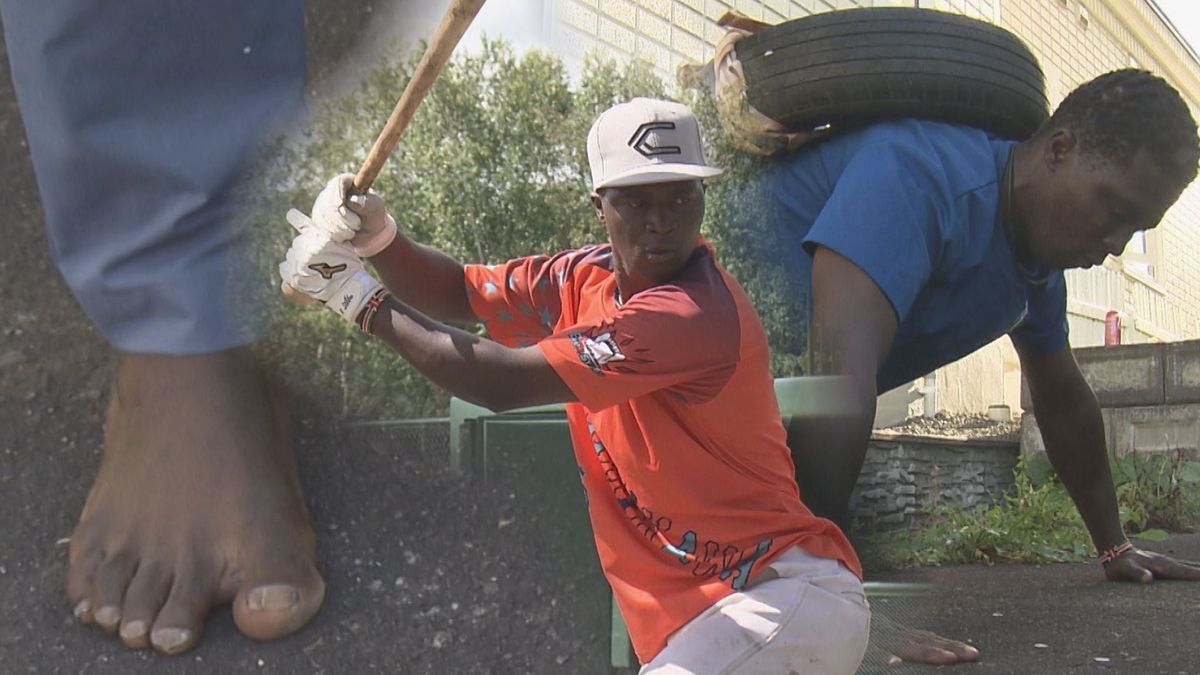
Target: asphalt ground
point(1062, 618)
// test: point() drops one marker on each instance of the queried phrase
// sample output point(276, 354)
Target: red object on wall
point(1112, 328)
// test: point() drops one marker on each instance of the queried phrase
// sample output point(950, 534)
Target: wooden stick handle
point(457, 19)
point(454, 24)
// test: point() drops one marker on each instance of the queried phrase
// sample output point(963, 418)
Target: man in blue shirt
point(926, 241)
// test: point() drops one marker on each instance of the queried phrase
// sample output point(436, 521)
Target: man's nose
point(660, 218)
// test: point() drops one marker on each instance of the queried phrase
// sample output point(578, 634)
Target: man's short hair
point(1119, 113)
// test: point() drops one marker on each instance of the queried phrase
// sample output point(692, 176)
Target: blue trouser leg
point(142, 116)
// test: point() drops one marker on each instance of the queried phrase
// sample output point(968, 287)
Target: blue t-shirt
point(916, 205)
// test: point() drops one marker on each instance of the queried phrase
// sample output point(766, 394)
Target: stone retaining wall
point(905, 478)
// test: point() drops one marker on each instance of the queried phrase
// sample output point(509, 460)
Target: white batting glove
point(360, 219)
point(327, 270)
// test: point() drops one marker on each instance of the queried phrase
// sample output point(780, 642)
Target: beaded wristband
point(1112, 553)
point(366, 319)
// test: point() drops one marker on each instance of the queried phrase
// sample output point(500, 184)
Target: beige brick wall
point(667, 33)
point(1075, 40)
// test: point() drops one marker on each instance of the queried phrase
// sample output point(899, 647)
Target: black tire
point(852, 67)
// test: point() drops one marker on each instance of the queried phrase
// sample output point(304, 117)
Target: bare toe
point(108, 594)
point(266, 610)
point(81, 574)
point(143, 599)
point(181, 619)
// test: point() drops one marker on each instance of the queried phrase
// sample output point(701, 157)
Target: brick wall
point(665, 33)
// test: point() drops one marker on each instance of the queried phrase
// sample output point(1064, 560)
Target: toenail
point(169, 639)
point(108, 616)
point(82, 609)
point(273, 598)
point(133, 630)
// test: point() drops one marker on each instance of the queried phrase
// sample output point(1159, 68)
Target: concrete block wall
point(1145, 429)
point(1138, 375)
point(905, 478)
point(1155, 429)
point(1149, 395)
point(1181, 372)
point(1126, 375)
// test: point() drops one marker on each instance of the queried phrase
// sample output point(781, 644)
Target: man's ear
point(598, 205)
point(1061, 145)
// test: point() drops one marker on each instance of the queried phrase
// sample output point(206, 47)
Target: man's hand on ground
point(904, 644)
point(1146, 566)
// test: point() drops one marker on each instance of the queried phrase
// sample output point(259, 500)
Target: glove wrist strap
point(354, 295)
point(366, 318)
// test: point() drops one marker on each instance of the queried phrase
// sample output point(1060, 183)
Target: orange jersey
point(683, 456)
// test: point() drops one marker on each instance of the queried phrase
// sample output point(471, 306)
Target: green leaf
point(1039, 470)
point(1125, 468)
point(1151, 535)
point(1189, 472)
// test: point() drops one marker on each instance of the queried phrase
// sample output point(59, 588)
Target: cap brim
point(660, 173)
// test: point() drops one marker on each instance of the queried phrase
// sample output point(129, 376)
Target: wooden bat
point(455, 22)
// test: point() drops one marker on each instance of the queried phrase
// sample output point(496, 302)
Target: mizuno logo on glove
point(326, 270)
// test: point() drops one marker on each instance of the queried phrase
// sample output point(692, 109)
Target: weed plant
point(1038, 523)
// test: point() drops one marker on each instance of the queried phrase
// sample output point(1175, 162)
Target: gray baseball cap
point(646, 141)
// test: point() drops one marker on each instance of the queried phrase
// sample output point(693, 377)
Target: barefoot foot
point(197, 504)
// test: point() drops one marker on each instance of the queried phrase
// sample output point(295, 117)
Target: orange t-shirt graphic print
point(677, 433)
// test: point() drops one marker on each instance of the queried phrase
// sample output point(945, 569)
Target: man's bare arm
point(851, 332)
point(425, 279)
point(470, 367)
point(1073, 431)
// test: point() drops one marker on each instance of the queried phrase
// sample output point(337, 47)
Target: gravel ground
point(968, 426)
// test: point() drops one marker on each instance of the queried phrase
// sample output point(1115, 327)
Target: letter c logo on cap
point(648, 142)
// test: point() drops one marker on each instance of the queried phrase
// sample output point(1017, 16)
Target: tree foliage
point(493, 166)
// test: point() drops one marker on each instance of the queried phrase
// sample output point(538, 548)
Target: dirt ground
point(428, 572)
